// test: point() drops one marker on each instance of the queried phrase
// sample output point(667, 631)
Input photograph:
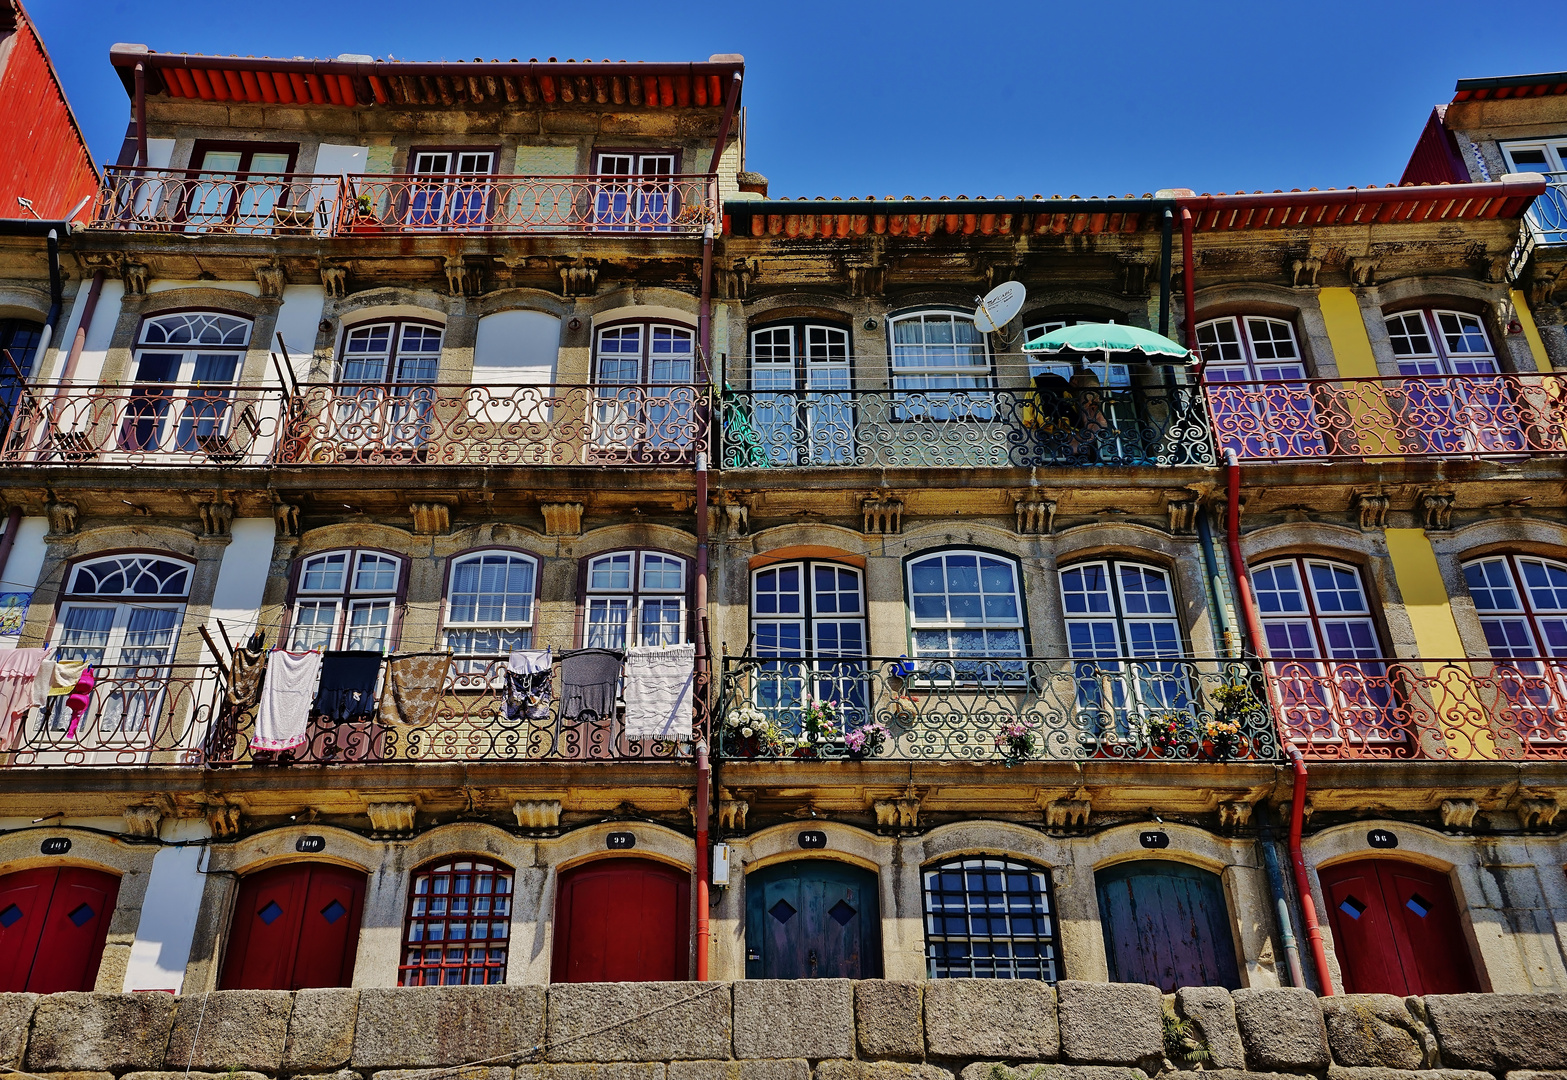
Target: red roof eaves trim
point(1425, 202)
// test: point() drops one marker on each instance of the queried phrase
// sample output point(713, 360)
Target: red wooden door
point(53, 922)
point(295, 926)
point(1396, 929)
point(622, 920)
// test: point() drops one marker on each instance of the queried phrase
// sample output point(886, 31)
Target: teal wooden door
point(1166, 924)
point(812, 919)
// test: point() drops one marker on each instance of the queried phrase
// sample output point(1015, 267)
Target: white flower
point(745, 733)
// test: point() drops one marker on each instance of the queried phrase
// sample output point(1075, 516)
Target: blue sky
point(978, 98)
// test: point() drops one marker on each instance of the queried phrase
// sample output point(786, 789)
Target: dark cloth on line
point(347, 690)
point(529, 685)
point(245, 675)
point(589, 681)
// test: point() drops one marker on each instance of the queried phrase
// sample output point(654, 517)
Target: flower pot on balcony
point(366, 228)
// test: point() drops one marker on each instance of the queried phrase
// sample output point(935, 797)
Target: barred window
point(989, 918)
point(458, 925)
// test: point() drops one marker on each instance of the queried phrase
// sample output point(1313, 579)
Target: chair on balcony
point(72, 447)
point(225, 447)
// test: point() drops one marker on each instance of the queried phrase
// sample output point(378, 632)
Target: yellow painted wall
point(1425, 596)
point(1531, 332)
point(1347, 330)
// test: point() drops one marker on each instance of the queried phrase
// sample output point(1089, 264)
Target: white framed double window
point(1453, 402)
point(808, 608)
point(491, 598)
point(939, 350)
point(644, 400)
point(187, 366)
point(965, 604)
point(1430, 341)
point(634, 598)
point(1273, 415)
point(814, 427)
point(346, 600)
point(1537, 155)
point(1121, 616)
point(1522, 604)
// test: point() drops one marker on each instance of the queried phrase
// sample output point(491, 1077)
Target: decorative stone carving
point(286, 515)
point(1303, 273)
point(562, 519)
point(1067, 814)
point(271, 277)
point(1035, 517)
point(391, 818)
point(143, 820)
point(334, 279)
point(902, 813)
point(1234, 815)
point(223, 820)
point(867, 280)
point(737, 517)
point(1371, 507)
point(1134, 274)
point(883, 515)
point(462, 277)
point(537, 813)
point(1542, 283)
point(62, 516)
point(1459, 814)
point(135, 276)
point(735, 283)
point(216, 517)
point(731, 811)
point(1363, 271)
point(1538, 813)
point(1436, 508)
point(1183, 516)
point(431, 519)
point(579, 278)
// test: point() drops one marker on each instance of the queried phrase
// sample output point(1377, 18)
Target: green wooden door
point(1166, 924)
point(812, 919)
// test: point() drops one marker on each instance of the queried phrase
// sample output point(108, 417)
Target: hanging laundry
point(348, 686)
point(78, 700)
point(589, 679)
point(285, 700)
point(414, 687)
point(529, 685)
point(659, 684)
point(248, 666)
point(63, 676)
point(18, 676)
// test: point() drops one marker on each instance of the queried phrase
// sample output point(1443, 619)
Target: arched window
point(645, 352)
point(966, 604)
point(1258, 421)
point(516, 347)
point(1452, 407)
point(1522, 604)
point(187, 365)
point(654, 416)
point(18, 340)
point(808, 608)
point(989, 918)
point(1249, 348)
point(458, 924)
point(1108, 374)
point(345, 600)
point(1434, 342)
point(800, 381)
point(489, 607)
point(1116, 608)
point(641, 589)
point(938, 350)
point(393, 352)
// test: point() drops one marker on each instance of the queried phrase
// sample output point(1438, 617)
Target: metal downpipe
point(1281, 907)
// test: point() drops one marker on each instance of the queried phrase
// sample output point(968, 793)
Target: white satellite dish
point(999, 306)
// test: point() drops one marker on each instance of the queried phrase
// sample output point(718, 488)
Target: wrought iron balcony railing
point(143, 424)
point(957, 428)
point(459, 424)
point(1547, 215)
point(180, 714)
point(1509, 710)
point(1420, 416)
point(1005, 711)
point(282, 204)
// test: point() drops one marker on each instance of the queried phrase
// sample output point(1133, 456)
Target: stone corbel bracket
point(391, 819)
point(537, 815)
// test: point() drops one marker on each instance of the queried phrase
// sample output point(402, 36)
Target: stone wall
point(827, 1029)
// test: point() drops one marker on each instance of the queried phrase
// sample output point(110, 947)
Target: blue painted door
point(1166, 924)
point(812, 919)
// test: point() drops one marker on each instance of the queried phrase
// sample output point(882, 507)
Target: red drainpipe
point(1248, 601)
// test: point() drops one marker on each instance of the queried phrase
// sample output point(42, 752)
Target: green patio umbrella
point(1106, 338)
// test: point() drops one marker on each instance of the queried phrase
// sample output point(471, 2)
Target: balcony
point(525, 425)
point(1440, 710)
point(254, 204)
point(180, 715)
point(1003, 712)
point(964, 428)
point(1405, 416)
point(1547, 215)
point(142, 425)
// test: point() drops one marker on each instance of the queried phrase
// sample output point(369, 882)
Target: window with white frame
point(1274, 420)
point(345, 600)
point(641, 589)
point(808, 608)
point(392, 352)
point(1435, 342)
point(655, 362)
point(187, 366)
point(938, 350)
point(1522, 604)
point(1116, 608)
point(1108, 373)
point(1536, 155)
point(965, 604)
point(816, 427)
point(490, 607)
point(1250, 348)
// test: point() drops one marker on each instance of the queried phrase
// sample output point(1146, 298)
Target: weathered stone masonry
point(826, 1029)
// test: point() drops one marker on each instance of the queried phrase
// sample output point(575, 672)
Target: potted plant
point(749, 733)
point(1221, 738)
point(1164, 733)
point(1232, 702)
point(866, 740)
point(364, 219)
point(1015, 740)
point(821, 724)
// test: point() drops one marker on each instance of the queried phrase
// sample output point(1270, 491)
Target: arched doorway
point(812, 919)
point(295, 926)
point(1396, 929)
point(622, 920)
point(1167, 924)
point(53, 922)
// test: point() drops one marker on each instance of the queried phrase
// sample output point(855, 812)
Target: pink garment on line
point(80, 697)
point(18, 674)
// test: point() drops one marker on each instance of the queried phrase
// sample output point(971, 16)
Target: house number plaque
point(1381, 838)
point(55, 845)
point(310, 844)
point(620, 841)
point(1154, 839)
point(813, 839)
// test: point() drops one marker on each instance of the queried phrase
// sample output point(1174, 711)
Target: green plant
point(1016, 740)
point(1182, 1044)
point(746, 722)
point(1233, 699)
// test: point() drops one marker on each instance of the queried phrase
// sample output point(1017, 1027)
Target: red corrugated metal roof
point(47, 160)
point(365, 82)
point(1511, 86)
point(1506, 198)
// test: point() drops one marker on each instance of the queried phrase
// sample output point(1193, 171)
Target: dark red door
point(295, 926)
point(622, 920)
point(53, 922)
point(1396, 929)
